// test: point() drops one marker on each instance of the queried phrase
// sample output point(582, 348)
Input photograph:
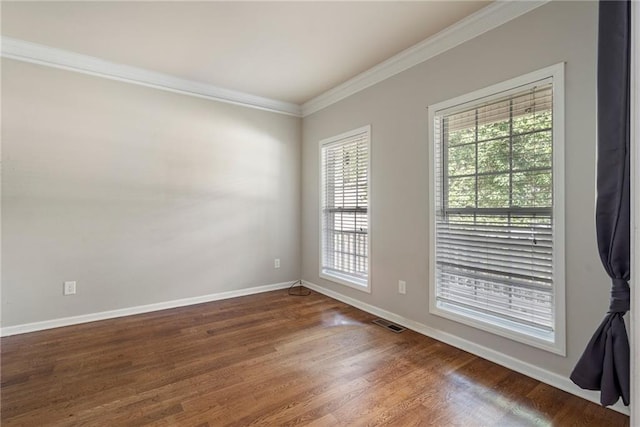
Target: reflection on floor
point(268, 359)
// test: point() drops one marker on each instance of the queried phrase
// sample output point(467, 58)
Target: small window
point(497, 257)
point(344, 235)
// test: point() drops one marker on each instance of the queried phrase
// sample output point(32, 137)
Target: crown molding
point(58, 58)
point(484, 20)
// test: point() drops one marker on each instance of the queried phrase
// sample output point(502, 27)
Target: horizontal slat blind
point(494, 208)
point(345, 224)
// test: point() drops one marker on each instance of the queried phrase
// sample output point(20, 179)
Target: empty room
point(319, 213)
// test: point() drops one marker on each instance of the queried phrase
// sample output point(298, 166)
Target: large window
point(344, 235)
point(497, 259)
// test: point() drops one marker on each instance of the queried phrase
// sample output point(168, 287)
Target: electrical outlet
point(69, 288)
point(276, 263)
point(402, 287)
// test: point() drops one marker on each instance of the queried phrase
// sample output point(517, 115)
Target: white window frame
point(555, 342)
point(334, 276)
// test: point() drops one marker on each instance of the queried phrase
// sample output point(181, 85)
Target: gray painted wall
point(396, 110)
point(141, 196)
point(144, 196)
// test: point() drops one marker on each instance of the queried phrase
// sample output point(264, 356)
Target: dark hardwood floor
point(267, 359)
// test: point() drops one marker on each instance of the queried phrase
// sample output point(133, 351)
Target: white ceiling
point(289, 51)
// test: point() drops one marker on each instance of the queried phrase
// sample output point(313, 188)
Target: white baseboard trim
point(103, 315)
point(540, 374)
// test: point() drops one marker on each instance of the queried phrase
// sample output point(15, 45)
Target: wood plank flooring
point(268, 359)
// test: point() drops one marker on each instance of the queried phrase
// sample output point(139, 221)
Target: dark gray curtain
point(604, 365)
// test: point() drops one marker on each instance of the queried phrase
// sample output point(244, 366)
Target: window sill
point(361, 285)
point(547, 341)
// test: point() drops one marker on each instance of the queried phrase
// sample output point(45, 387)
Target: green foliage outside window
point(502, 162)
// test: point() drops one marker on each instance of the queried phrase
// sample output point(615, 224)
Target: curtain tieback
point(620, 296)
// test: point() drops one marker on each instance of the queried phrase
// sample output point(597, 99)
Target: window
point(344, 235)
point(497, 242)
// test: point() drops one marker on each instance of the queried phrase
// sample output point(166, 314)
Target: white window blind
point(494, 210)
point(345, 208)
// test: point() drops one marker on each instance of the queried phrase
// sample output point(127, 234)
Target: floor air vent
point(389, 325)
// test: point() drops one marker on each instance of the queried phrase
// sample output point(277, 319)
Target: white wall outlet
point(402, 287)
point(276, 263)
point(69, 288)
